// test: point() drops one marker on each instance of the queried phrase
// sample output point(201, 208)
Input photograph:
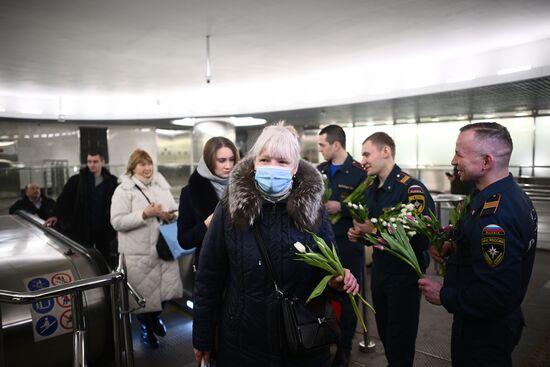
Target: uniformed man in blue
point(395, 293)
point(490, 266)
point(344, 174)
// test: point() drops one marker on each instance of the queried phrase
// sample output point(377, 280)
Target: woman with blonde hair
point(140, 204)
point(273, 190)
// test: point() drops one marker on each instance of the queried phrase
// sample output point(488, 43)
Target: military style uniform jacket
point(487, 276)
point(398, 188)
point(344, 181)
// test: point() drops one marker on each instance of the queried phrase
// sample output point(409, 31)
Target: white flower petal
point(298, 246)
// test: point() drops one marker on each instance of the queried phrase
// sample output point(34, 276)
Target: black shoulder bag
point(163, 251)
point(306, 328)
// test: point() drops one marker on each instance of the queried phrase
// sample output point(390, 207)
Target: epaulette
point(403, 178)
point(490, 205)
point(356, 164)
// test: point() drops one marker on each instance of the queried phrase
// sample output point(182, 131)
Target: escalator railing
point(119, 287)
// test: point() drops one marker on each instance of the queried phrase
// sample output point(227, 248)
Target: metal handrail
point(60, 290)
point(119, 293)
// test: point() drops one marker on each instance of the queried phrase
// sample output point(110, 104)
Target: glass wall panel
point(542, 148)
point(521, 130)
point(405, 145)
point(436, 142)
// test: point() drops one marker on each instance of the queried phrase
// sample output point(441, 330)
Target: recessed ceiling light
point(235, 121)
point(515, 69)
point(30, 111)
point(460, 78)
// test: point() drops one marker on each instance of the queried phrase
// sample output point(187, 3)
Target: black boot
point(158, 325)
point(147, 335)
point(341, 358)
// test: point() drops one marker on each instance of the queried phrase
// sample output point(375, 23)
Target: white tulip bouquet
point(327, 259)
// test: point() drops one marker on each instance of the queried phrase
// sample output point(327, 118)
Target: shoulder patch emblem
point(493, 244)
point(416, 197)
point(490, 205)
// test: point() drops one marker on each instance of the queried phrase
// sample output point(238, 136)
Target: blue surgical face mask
point(273, 179)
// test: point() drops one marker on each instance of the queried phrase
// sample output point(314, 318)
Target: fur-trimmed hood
point(244, 201)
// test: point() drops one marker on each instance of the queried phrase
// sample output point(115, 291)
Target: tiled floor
point(433, 341)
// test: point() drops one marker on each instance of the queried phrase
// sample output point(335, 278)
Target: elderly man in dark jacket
point(34, 202)
point(82, 211)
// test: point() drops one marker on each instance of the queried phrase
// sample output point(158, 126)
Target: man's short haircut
point(212, 146)
point(137, 156)
point(97, 152)
point(279, 141)
point(493, 137)
point(381, 139)
point(334, 133)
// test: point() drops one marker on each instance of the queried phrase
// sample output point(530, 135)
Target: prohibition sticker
point(66, 320)
point(61, 278)
point(50, 317)
point(63, 301)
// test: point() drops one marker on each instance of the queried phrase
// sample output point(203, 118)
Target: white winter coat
point(154, 279)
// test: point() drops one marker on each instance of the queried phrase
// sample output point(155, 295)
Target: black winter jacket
point(45, 211)
point(233, 288)
point(197, 201)
point(73, 206)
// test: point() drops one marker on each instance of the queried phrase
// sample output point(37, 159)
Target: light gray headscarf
point(218, 182)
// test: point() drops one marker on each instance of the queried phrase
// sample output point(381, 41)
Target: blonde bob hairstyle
point(137, 156)
point(278, 141)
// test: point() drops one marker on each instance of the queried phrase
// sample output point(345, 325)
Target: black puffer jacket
point(233, 288)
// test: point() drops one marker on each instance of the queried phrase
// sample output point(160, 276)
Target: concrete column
point(205, 130)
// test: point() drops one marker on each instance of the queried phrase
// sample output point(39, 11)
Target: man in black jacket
point(34, 202)
point(82, 211)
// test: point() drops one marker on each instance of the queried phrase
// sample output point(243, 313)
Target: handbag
point(306, 327)
point(163, 251)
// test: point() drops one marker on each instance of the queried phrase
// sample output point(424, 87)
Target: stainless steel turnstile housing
point(27, 250)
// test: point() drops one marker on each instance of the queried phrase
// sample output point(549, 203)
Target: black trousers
point(485, 343)
point(396, 300)
point(353, 258)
